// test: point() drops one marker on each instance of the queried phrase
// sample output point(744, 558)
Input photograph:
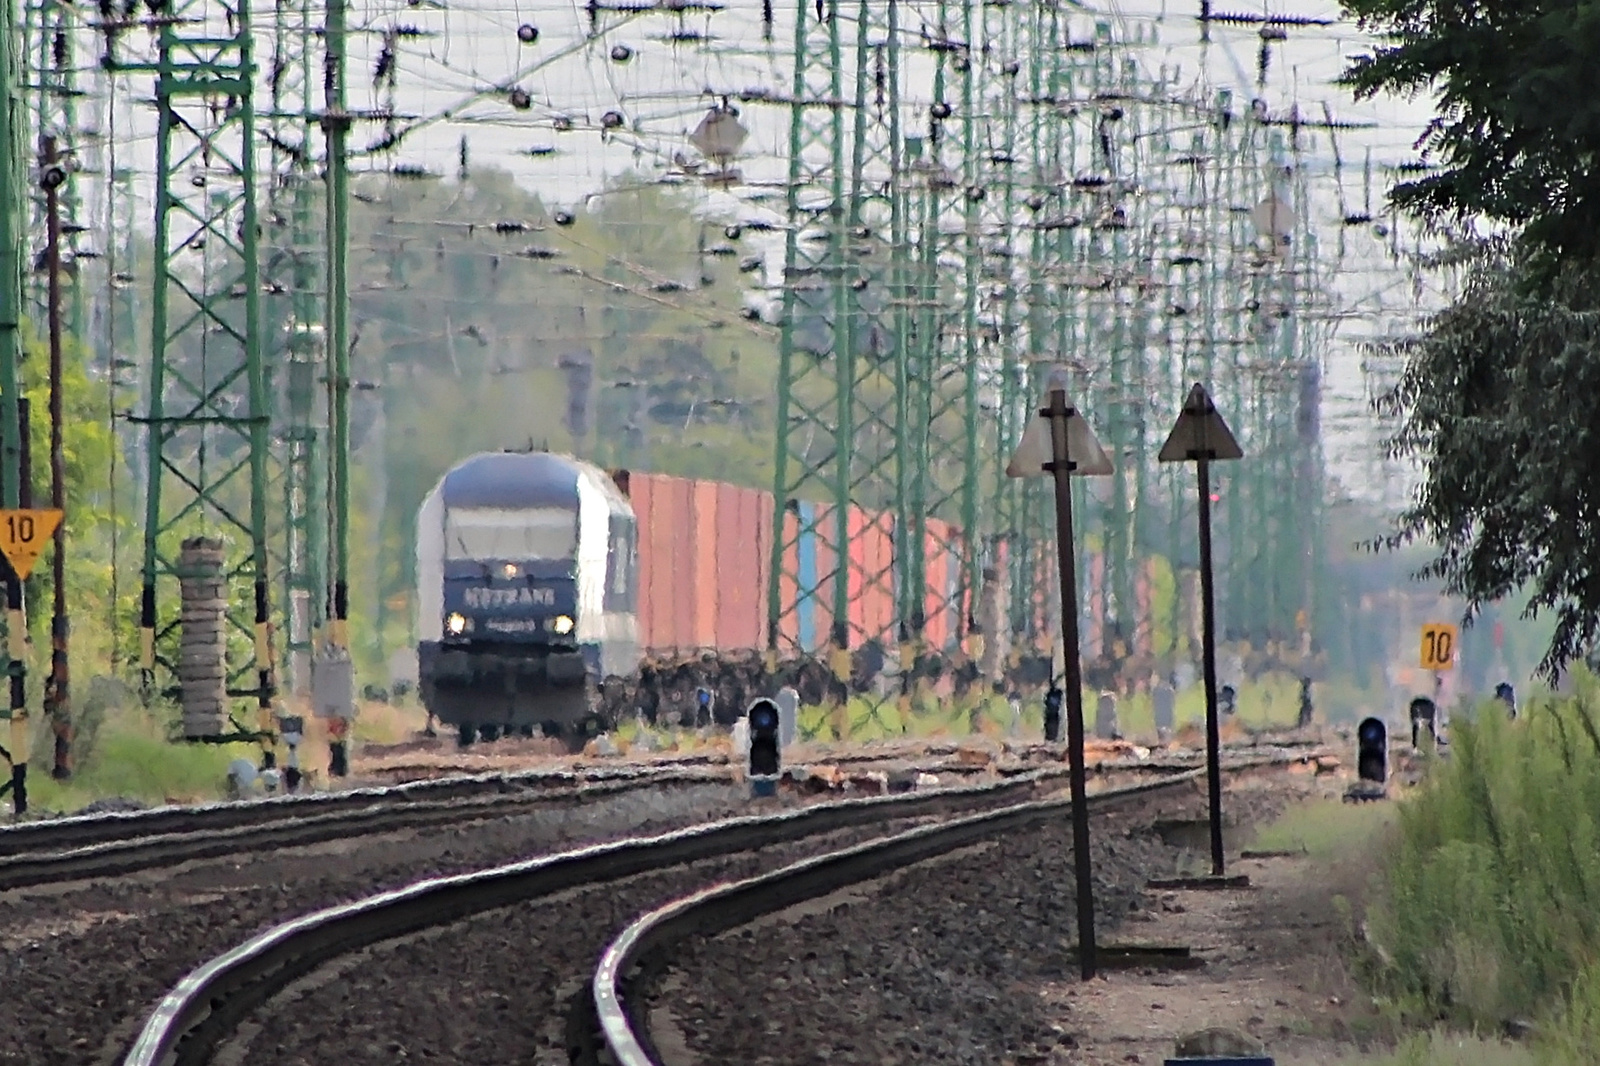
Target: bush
point(1486, 912)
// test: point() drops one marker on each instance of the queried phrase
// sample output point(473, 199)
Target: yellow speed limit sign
point(1438, 646)
point(23, 535)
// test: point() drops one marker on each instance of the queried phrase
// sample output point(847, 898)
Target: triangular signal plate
point(1200, 433)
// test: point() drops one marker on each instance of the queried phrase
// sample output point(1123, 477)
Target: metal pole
point(1061, 466)
point(57, 704)
point(17, 619)
point(1208, 641)
point(11, 121)
point(336, 127)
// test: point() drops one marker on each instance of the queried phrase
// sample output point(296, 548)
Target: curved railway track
point(112, 845)
point(345, 981)
point(206, 1010)
point(620, 1023)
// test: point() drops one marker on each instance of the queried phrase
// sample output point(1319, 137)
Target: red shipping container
point(739, 547)
point(703, 590)
point(642, 493)
point(880, 568)
point(828, 572)
point(664, 584)
point(936, 593)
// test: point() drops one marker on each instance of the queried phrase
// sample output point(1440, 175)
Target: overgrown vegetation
point(1492, 400)
point(1485, 914)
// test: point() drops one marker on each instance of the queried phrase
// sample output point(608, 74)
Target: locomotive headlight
point(562, 624)
point(510, 570)
point(456, 624)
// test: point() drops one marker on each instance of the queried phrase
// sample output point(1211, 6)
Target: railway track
point(584, 895)
point(38, 853)
point(362, 982)
point(620, 1025)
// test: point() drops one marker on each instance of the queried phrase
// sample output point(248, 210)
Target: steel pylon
point(207, 404)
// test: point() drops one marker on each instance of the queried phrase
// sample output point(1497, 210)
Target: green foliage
point(1440, 1047)
point(134, 758)
point(1494, 397)
point(1326, 828)
point(487, 323)
point(1518, 123)
point(1486, 911)
point(1496, 402)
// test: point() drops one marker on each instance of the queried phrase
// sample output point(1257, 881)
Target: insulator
point(562, 124)
point(611, 120)
point(527, 33)
point(564, 218)
point(621, 53)
point(733, 233)
point(941, 110)
point(520, 99)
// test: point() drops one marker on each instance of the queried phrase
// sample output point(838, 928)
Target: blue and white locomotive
point(527, 584)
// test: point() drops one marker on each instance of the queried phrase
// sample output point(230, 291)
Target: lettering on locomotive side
point(512, 597)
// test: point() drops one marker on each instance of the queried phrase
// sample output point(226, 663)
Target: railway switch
point(765, 761)
point(1372, 751)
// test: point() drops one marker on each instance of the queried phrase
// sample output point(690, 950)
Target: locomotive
point(527, 587)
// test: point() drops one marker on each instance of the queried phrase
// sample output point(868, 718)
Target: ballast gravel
point(81, 965)
point(938, 963)
point(496, 988)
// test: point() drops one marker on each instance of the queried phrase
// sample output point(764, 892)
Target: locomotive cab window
point(543, 533)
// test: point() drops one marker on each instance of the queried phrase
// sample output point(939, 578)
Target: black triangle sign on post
point(1200, 433)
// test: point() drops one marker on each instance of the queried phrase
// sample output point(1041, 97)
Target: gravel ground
point(81, 965)
point(496, 988)
point(936, 964)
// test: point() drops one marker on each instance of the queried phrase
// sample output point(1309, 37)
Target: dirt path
point(1273, 970)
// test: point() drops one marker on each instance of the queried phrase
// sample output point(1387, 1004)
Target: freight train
point(554, 596)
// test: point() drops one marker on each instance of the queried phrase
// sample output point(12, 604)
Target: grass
point(132, 758)
point(1327, 829)
point(1443, 1048)
point(1483, 913)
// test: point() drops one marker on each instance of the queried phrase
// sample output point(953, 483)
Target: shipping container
point(699, 565)
point(1144, 615)
point(871, 593)
point(742, 545)
point(936, 627)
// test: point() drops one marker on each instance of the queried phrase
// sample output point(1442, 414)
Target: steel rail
point(117, 857)
point(83, 830)
point(208, 1004)
point(645, 945)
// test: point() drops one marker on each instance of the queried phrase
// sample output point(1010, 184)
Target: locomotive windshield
point(543, 533)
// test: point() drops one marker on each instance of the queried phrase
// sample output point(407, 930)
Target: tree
point(1517, 134)
point(1497, 398)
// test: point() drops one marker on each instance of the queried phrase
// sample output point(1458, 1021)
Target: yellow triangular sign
point(23, 535)
point(1200, 433)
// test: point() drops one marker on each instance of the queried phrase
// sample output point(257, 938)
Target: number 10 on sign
point(1438, 646)
point(23, 535)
